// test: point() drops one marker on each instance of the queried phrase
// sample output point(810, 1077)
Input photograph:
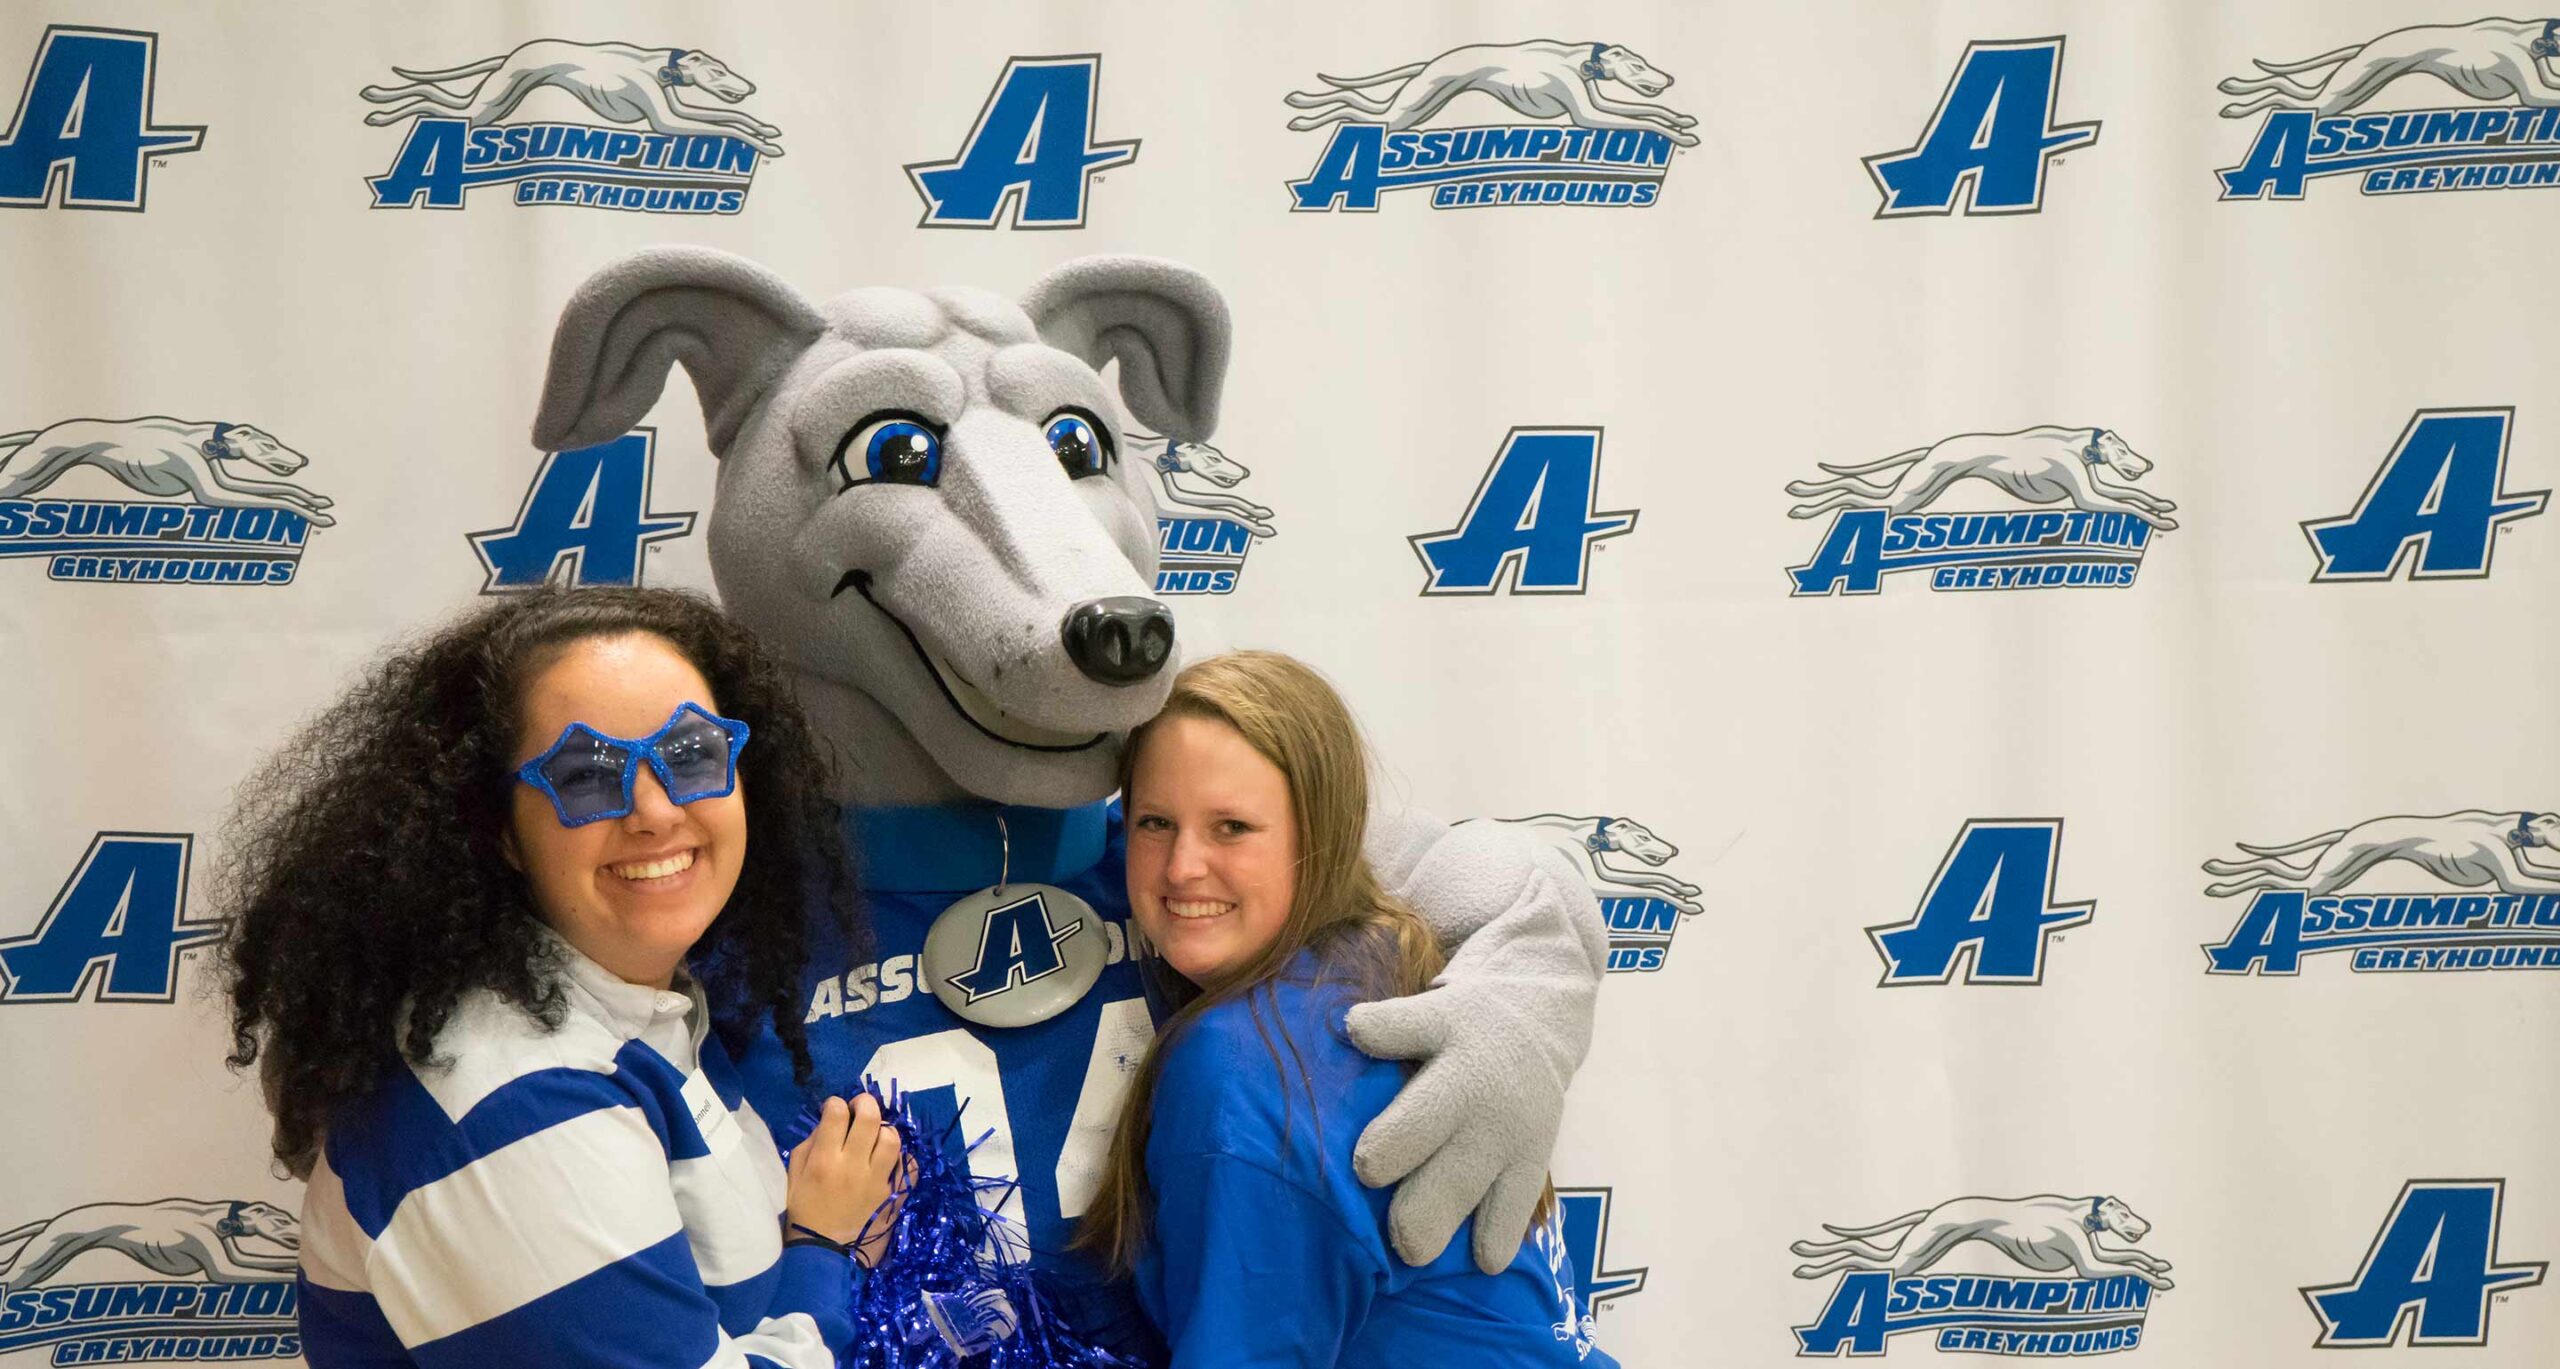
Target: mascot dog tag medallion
point(1015, 954)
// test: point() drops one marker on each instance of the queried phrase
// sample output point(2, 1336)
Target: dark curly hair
point(364, 878)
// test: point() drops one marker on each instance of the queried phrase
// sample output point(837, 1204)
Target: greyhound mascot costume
point(925, 507)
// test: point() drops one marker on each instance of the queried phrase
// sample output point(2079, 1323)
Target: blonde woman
point(1229, 1189)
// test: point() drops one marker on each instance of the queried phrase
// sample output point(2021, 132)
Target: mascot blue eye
point(889, 449)
point(1078, 440)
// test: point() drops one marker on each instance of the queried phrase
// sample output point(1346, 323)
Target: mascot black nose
point(1120, 640)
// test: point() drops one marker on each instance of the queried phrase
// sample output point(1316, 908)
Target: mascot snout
point(1119, 640)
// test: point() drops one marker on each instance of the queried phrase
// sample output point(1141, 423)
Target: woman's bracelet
point(805, 1236)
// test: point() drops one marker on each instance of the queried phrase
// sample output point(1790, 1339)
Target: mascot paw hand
point(1473, 1129)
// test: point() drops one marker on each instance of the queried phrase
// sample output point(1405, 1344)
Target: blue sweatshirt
point(1047, 1096)
point(1266, 1249)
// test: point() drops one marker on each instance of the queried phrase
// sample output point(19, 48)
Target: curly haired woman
point(481, 907)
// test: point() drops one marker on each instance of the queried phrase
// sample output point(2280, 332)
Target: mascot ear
point(736, 327)
point(1166, 324)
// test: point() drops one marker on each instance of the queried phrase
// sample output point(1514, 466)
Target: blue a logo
point(1202, 534)
point(1990, 139)
point(83, 137)
point(1990, 905)
point(1532, 522)
point(1585, 1213)
point(2311, 130)
point(116, 929)
point(584, 521)
point(1018, 944)
point(2441, 493)
point(2432, 1270)
point(1031, 155)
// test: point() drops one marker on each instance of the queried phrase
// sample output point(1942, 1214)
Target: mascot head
point(924, 502)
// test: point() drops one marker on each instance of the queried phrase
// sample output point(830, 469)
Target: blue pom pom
point(956, 1282)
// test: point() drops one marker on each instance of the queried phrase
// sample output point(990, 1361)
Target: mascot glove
point(1497, 1038)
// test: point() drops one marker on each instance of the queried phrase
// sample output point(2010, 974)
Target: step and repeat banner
point(2008, 539)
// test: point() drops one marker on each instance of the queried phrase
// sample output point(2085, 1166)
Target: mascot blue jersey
point(1049, 1093)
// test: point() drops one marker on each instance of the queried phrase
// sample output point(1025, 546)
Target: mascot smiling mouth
point(966, 699)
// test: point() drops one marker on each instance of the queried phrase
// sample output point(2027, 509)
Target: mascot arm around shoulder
point(927, 507)
point(1498, 1035)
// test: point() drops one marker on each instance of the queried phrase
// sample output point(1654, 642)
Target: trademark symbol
point(159, 161)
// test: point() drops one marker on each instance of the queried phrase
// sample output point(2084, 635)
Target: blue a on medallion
point(2299, 905)
point(678, 157)
point(2310, 129)
point(1612, 149)
point(85, 135)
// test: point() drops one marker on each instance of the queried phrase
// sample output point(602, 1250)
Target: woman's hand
point(843, 1177)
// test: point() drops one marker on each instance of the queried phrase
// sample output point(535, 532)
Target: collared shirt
point(600, 1193)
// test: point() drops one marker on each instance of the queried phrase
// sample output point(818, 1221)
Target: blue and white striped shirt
point(599, 1194)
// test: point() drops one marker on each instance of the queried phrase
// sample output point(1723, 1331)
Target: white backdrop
point(1812, 759)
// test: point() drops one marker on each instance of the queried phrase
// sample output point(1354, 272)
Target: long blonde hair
point(1289, 714)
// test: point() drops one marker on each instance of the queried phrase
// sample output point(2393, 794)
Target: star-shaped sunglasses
point(588, 776)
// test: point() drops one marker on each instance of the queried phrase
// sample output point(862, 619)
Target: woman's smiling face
point(1213, 848)
point(633, 893)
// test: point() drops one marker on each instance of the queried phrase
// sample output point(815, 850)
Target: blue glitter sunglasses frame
point(627, 752)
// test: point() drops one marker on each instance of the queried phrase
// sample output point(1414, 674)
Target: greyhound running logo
point(225, 1292)
point(1609, 150)
point(2311, 128)
point(226, 526)
point(683, 156)
point(1623, 859)
point(2296, 906)
point(2095, 540)
point(2079, 1295)
point(1202, 534)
